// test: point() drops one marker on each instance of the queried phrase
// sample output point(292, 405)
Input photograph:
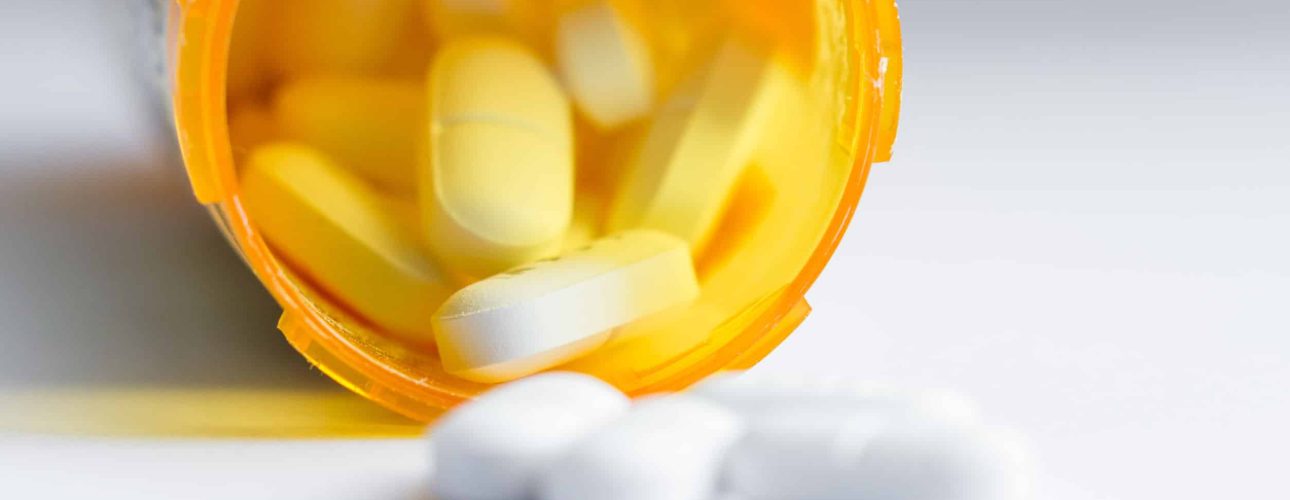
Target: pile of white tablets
point(565, 436)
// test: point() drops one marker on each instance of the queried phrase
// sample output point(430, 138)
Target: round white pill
point(832, 456)
point(493, 447)
point(668, 448)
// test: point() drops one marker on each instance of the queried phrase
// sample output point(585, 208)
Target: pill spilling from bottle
point(514, 186)
point(564, 436)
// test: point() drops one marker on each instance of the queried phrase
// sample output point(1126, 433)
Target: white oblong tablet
point(606, 65)
point(756, 396)
point(492, 448)
point(668, 448)
point(538, 316)
point(831, 456)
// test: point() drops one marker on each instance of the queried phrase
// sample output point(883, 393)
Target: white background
point(1085, 228)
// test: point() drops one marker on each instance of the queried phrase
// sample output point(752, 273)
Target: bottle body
point(789, 210)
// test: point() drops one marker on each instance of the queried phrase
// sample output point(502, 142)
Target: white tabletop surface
point(1085, 228)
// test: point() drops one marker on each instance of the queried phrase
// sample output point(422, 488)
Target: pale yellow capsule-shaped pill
point(693, 152)
point(549, 312)
point(368, 124)
point(355, 243)
point(606, 64)
point(498, 188)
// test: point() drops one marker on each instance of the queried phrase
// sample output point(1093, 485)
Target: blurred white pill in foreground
point(864, 456)
point(755, 396)
point(913, 460)
point(562, 436)
point(493, 447)
point(667, 448)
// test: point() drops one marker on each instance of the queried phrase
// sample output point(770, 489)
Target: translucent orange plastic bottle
point(783, 224)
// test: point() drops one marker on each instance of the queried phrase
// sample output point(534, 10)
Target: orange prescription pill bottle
point(833, 116)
